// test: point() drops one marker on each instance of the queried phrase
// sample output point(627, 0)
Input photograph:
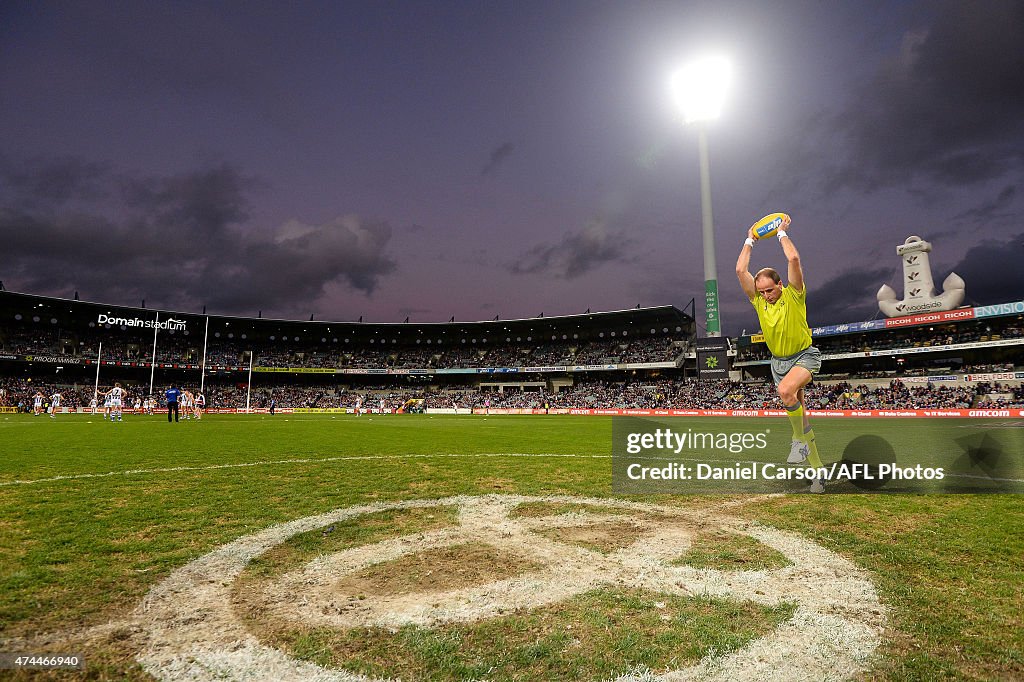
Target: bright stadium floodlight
point(700, 90)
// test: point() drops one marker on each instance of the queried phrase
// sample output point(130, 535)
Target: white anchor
point(919, 295)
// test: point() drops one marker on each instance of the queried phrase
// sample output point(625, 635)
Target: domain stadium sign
point(170, 324)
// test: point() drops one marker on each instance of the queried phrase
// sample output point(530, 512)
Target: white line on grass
point(305, 460)
point(349, 458)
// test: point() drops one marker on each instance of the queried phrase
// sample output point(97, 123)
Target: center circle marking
point(191, 631)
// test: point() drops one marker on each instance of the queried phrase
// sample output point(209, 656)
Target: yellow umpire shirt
point(784, 324)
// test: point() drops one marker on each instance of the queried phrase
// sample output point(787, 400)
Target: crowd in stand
point(177, 348)
point(988, 369)
point(908, 337)
point(664, 394)
point(996, 396)
point(20, 393)
point(30, 342)
point(180, 349)
point(714, 395)
point(897, 395)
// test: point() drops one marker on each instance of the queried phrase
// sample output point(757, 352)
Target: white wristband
point(749, 242)
point(782, 233)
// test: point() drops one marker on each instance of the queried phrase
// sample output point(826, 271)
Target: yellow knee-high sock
point(812, 456)
point(796, 420)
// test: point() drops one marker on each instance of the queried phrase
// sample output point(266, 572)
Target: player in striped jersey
point(115, 397)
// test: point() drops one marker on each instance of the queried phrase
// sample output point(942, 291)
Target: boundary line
point(302, 460)
point(349, 458)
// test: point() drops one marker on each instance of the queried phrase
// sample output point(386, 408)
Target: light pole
point(700, 91)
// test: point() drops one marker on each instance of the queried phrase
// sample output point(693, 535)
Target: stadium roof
point(660, 320)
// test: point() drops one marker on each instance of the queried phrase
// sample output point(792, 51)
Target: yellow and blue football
point(770, 225)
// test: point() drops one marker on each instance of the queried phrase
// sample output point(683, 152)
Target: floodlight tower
point(700, 90)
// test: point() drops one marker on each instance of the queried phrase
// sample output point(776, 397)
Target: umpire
point(172, 396)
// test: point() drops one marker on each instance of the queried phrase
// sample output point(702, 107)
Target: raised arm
point(743, 267)
point(796, 272)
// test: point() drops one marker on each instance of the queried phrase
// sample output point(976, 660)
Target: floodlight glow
point(700, 88)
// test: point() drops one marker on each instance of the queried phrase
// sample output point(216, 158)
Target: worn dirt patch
point(604, 538)
point(435, 570)
point(335, 537)
point(542, 509)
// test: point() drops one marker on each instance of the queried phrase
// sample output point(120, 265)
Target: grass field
point(95, 515)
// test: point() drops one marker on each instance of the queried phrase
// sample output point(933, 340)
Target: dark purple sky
point(430, 159)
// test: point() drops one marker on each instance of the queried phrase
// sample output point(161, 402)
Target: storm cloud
point(576, 254)
point(497, 157)
point(992, 270)
point(847, 297)
point(179, 241)
point(947, 106)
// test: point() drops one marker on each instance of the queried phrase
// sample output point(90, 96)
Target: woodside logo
point(170, 324)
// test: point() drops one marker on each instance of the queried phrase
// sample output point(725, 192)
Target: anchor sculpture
point(919, 293)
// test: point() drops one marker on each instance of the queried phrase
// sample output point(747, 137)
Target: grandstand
point(640, 359)
point(314, 364)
